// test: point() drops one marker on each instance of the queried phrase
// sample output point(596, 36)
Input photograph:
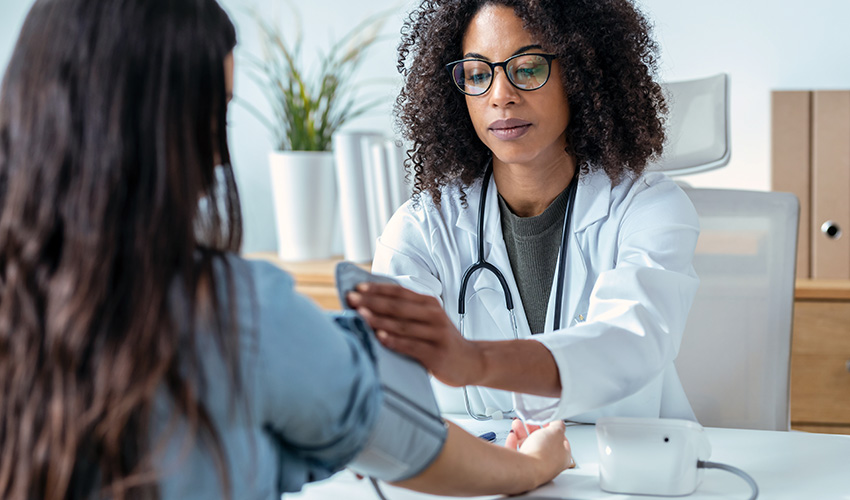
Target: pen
point(488, 436)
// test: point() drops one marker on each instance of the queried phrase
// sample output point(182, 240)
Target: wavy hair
point(112, 122)
point(607, 61)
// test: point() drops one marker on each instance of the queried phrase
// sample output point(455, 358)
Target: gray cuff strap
point(408, 433)
point(402, 443)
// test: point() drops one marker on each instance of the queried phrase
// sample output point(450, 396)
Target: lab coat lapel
point(467, 219)
point(496, 253)
point(593, 199)
point(592, 204)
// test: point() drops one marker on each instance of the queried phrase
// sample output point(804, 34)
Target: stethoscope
point(482, 265)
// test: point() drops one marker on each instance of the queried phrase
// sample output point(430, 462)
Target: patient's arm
point(470, 466)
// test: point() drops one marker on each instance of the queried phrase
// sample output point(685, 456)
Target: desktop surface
point(785, 465)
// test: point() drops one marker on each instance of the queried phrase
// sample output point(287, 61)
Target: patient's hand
point(519, 433)
point(540, 441)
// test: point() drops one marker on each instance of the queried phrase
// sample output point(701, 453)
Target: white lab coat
point(629, 286)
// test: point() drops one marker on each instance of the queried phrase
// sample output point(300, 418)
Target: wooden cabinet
point(820, 348)
point(820, 357)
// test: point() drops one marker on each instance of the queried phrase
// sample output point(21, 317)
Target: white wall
point(12, 14)
point(763, 45)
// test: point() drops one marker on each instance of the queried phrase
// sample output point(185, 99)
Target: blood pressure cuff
point(409, 432)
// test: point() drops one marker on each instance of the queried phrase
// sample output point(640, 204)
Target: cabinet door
point(831, 184)
point(791, 153)
point(820, 363)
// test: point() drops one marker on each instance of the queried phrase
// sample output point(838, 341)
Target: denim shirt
point(309, 401)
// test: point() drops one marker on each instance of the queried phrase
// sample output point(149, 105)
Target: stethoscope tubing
point(481, 264)
point(562, 257)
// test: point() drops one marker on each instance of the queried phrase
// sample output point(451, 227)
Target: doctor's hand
point(417, 326)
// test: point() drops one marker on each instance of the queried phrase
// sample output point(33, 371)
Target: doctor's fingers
point(422, 351)
point(392, 290)
point(425, 309)
point(403, 327)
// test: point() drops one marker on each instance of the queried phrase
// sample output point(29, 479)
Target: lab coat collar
point(593, 200)
point(468, 217)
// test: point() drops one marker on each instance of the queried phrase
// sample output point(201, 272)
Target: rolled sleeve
point(320, 390)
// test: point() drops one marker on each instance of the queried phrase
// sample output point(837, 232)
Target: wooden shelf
point(822, 289)
point(316, 272)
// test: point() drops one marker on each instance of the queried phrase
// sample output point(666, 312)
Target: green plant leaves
point(308, 109)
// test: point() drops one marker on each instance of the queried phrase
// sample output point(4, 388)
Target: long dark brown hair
point(607, 60)
point(112, 122)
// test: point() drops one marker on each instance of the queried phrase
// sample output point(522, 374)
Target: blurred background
point(763, 45)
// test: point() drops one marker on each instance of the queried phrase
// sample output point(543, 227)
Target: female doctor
point(538, 260)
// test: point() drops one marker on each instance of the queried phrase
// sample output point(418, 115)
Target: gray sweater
point(533, 244)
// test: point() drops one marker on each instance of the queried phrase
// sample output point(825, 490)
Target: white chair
point(698, 137)
point(735, 354)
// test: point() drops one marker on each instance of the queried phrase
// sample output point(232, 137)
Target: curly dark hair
point(607, 60)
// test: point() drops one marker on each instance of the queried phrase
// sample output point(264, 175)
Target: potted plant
point(308, 105)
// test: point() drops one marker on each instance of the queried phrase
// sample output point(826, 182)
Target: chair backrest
point(697, 126)
point(735, 353)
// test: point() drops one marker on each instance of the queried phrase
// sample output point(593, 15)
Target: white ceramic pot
point(305, 201)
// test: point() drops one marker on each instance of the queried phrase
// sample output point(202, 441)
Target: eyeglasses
point(474, 77)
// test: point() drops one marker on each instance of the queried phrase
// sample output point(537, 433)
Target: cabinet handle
point(847, 365)
point(831, 229)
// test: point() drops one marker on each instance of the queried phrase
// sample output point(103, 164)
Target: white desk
point(786, 465)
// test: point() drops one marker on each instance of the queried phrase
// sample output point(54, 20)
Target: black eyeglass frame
point(504, 65)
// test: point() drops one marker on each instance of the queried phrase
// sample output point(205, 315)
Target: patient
point(140, 357)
